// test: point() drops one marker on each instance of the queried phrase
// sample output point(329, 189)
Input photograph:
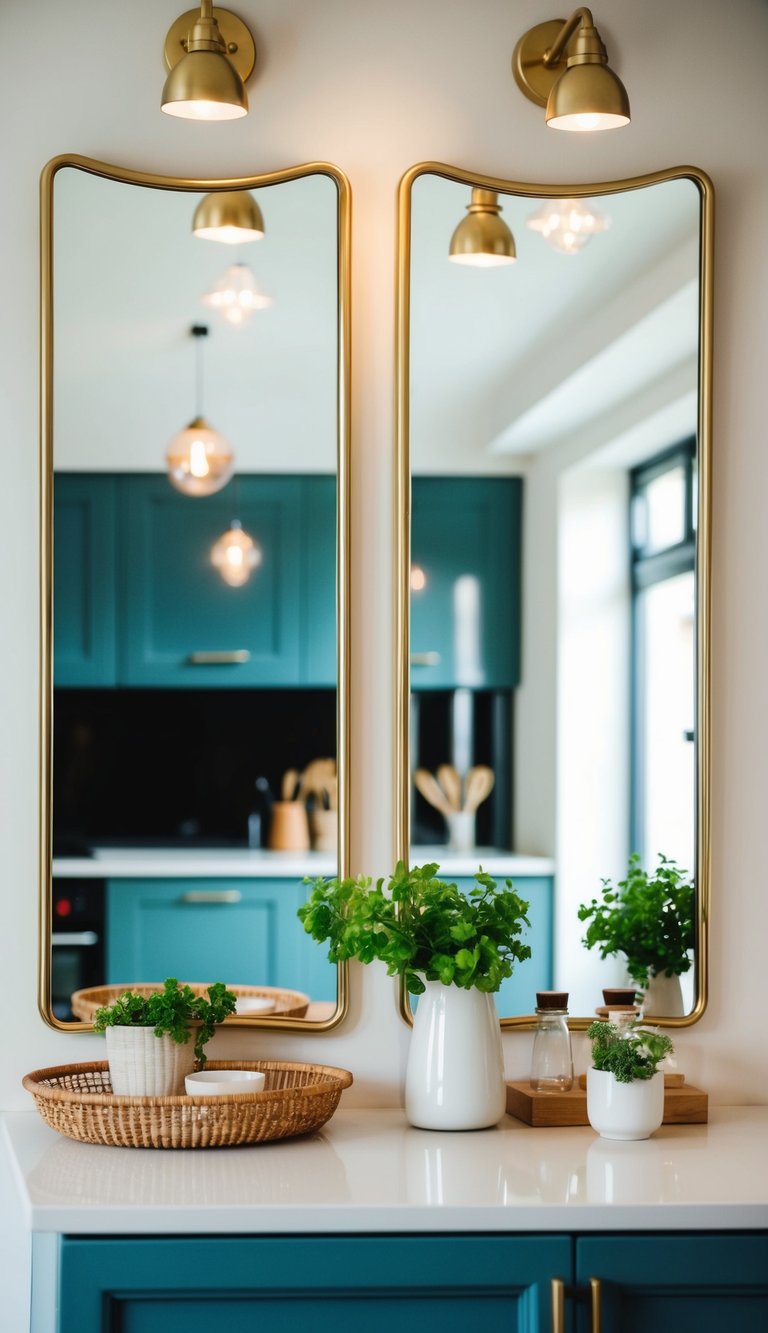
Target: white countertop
point(237, 863)
point(369, 1171)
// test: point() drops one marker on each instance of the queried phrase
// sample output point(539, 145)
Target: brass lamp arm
point(579, 16)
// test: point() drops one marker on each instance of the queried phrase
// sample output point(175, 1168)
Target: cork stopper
point(623, 996)
point(552, 999)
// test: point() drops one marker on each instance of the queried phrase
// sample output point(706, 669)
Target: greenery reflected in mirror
point(194, 553)
point(554, 434)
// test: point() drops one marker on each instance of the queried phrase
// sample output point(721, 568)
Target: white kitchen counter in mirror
point(132, 862)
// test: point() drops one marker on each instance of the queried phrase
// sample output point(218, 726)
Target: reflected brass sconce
point(482, 238)
point(210, 54)
point(198, 459)
point(230, 216)
point(563, 65)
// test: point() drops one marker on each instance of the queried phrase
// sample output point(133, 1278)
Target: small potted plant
point(625, 1087)
point(453, 950)
point(649, 918)
point(150, 1045)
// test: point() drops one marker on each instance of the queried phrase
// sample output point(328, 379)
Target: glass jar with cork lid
point(551, 1062)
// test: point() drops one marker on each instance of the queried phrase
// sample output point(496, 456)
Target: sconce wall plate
point(241, 49)
point(532, 76)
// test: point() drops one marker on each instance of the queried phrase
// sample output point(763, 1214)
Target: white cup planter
point(143, 1065)
point(624, 1110)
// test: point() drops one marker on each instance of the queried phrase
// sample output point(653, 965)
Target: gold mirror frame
point(402, 528)
point(344, 214)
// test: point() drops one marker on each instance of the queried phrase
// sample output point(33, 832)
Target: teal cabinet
point(465, 621)
point(84, 580)
point(331, 1284)
point(673, 1283)
point(517, 995)
point(241, 931)
point(137, 601)
point(677, 1283)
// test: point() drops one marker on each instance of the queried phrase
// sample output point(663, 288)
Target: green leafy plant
point(627, 1053)
point(175, 1011)
point(646, 917)
point(422, 928)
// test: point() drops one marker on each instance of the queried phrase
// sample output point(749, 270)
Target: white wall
point(375, 88)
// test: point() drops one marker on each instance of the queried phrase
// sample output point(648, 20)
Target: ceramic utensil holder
point(324, 830)
point(461, 830)
point(289, 830)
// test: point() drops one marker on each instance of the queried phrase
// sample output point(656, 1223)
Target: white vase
point(143, 1065)
point(455, 1074)
point(663, 997)
point(624, 1110)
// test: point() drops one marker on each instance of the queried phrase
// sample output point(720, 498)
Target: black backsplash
point(154, 766)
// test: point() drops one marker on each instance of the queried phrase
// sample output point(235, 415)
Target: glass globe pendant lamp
point(236, 296)
point(568, 224)
point(235, 555)
point(198, 459)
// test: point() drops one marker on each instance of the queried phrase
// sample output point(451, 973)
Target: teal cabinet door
point(84, 571)
point(331, 1284)
point(318, 640)
point(465, 621)
point(677, 1283)
point(517, 995)
point(240, 931)
point(178, 612)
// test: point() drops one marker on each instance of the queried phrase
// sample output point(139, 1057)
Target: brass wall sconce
point(563, 65)
point(198, 459)
point(483, 239)
point(209, 54)
point(230, 216)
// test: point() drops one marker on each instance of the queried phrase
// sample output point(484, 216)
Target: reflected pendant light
point(483, 239)
point(236, 296)
point(209, 53)
point(564, 67)
point(568, 224)
point(235, 555)
point(198, 459)
point(230, 216)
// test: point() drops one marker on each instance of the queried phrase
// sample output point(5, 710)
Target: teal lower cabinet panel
point(338, 1284)
point(517, 995)
point(676, 1283)
point(241, 931)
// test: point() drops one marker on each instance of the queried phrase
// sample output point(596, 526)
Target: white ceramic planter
point(663, 997)
point(624, 1110)
point(455, 1074)
point(143, 1065)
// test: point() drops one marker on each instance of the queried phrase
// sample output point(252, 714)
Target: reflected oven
point(77, 940)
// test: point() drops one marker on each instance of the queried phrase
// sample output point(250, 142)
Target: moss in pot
point(625, 1086)
point(154, 1041)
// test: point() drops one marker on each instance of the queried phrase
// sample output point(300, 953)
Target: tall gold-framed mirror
point(554, 380)
point(194, 584)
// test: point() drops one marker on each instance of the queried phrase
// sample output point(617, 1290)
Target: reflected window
point(664, 656)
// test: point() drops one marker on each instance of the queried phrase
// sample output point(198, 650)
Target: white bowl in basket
point(224, 1082)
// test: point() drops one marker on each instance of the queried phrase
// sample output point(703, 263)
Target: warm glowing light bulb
point(236, 555)
point(199, 460)
point(236, 295)
point(418, 579)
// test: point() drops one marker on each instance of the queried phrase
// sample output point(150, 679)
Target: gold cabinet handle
point(425, 659)
point(223, 896)
point(219, 659)
point(557, 1294)
point(596, 1308)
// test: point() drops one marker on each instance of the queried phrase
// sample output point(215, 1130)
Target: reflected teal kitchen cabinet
point(84, 573)
point(517, 995)
point(181, 624)
point(241, 931)
point(677, 1283)
point(465, 620)
point(331, 1284)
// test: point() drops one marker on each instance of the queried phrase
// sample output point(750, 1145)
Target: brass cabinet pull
point(596, 1309)
point(212, 896)
point(219, 659)
point(557, 1292)
point(425, 659)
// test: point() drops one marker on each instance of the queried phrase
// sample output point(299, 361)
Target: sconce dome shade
point(235, 555)
point(204, 85)
point(230, 216)
point(483, 239)
point(587, 97)
point(199, 460)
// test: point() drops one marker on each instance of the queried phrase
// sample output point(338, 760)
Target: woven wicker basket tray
point(288, 1003)
point(77, 1100)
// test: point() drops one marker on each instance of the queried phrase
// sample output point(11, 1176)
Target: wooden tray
point(683, 1105)
point(287, 1003)
point(77, 1100)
